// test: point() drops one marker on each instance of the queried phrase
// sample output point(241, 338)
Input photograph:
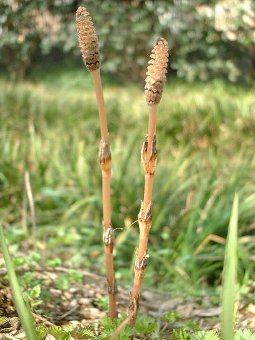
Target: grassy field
point(49, 126)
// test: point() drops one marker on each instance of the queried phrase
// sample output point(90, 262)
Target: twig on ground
point(61, 317)
point(44, 320)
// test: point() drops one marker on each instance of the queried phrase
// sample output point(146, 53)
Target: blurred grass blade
point(229, 276)
point(24, 312)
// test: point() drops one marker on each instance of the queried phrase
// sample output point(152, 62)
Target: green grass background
point(49, 125)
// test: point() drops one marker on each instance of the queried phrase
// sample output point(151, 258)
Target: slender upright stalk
point(31, 202)
point(156, 76)
point(90, 54)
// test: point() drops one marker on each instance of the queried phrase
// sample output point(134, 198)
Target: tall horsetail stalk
point(89, 46)
point(154, 83)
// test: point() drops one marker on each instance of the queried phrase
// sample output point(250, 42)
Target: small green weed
point(64, 281)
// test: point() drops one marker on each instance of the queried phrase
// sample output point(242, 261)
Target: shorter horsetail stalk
point(156, 72)
point(89, 46)
point(154, 83)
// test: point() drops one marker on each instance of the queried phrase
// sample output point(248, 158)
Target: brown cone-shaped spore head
point(88, 40)
point(156, 72)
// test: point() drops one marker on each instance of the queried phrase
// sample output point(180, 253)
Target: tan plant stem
point(100, 102)
point(123, 324)
point(119, 329)
point(149, 158)
point(105, 162)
